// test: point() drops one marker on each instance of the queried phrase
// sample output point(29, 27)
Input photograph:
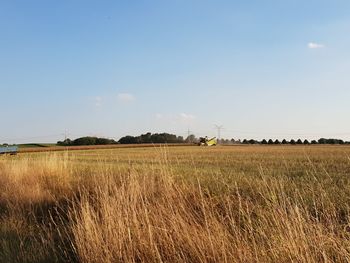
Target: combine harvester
point(207, 142)
point(12, 150)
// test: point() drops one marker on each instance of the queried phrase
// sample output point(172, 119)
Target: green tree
point(152, 138)
point(128, 140)
point(322, 141)
point(251, 141)
point(66, 142)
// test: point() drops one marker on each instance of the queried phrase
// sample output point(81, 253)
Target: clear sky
point(262, 69)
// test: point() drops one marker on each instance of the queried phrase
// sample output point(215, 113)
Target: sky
point(261, 69)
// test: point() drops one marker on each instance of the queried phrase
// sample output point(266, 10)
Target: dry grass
point(240, 204)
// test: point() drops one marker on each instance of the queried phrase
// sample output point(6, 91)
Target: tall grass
point(56, 209)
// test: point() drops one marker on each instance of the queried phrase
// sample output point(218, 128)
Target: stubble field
point(177, 204)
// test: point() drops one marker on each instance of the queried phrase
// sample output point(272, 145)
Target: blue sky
point(262, 69)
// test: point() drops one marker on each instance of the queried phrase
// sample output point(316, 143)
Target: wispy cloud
point(313, 45)
point(175, 118)
point(98, 101)
point(125, 97)
point(187, 117)
point(159, 116)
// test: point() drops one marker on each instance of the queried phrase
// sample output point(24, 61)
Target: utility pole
point(219, 128)
point(188, 134)
point(66, 134)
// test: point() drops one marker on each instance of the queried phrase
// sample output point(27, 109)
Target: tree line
point(143, 138)
point(86, 141)
point(284, 141)
point(172, 138)
point(152, 138)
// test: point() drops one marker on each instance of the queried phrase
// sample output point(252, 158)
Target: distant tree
point(225, 141)
point(245, 141)
point(284, 141)
point(191, 138)
point(251, 141)
point(322, 141)
point(336, 141)
point(86, 141)
point(276, 141)
point(146, 138)
point(152, 138)
point(93, 141)
point(330, 141)
point(104, 141)
point(270, 141)
point(128, 140)
point(313, 142)
point(264, 141)
point(306, 142)
point(293, 142)
point(66, 142)
point(299, 141)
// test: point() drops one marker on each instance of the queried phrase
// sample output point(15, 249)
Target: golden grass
point(181, 204)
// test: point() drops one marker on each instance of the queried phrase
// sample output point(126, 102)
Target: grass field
point(177, 204)
point(30, 148)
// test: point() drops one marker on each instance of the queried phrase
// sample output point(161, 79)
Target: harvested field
point(177, 204)
point(91, 147)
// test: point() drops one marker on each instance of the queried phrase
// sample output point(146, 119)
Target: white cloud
point(313, 45)
point(126, 97)
point(159, 116)
point(98, 101)
point(187, 117)
point(175, 118)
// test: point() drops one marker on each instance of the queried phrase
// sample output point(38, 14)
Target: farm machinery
point(204, 141)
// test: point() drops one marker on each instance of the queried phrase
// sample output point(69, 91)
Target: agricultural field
point(177, 204)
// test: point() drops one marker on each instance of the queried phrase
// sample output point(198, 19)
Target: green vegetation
point(284, 141)
point(152, 138)
point(86, 141)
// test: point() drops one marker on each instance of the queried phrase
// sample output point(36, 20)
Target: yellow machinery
point(207, 142)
